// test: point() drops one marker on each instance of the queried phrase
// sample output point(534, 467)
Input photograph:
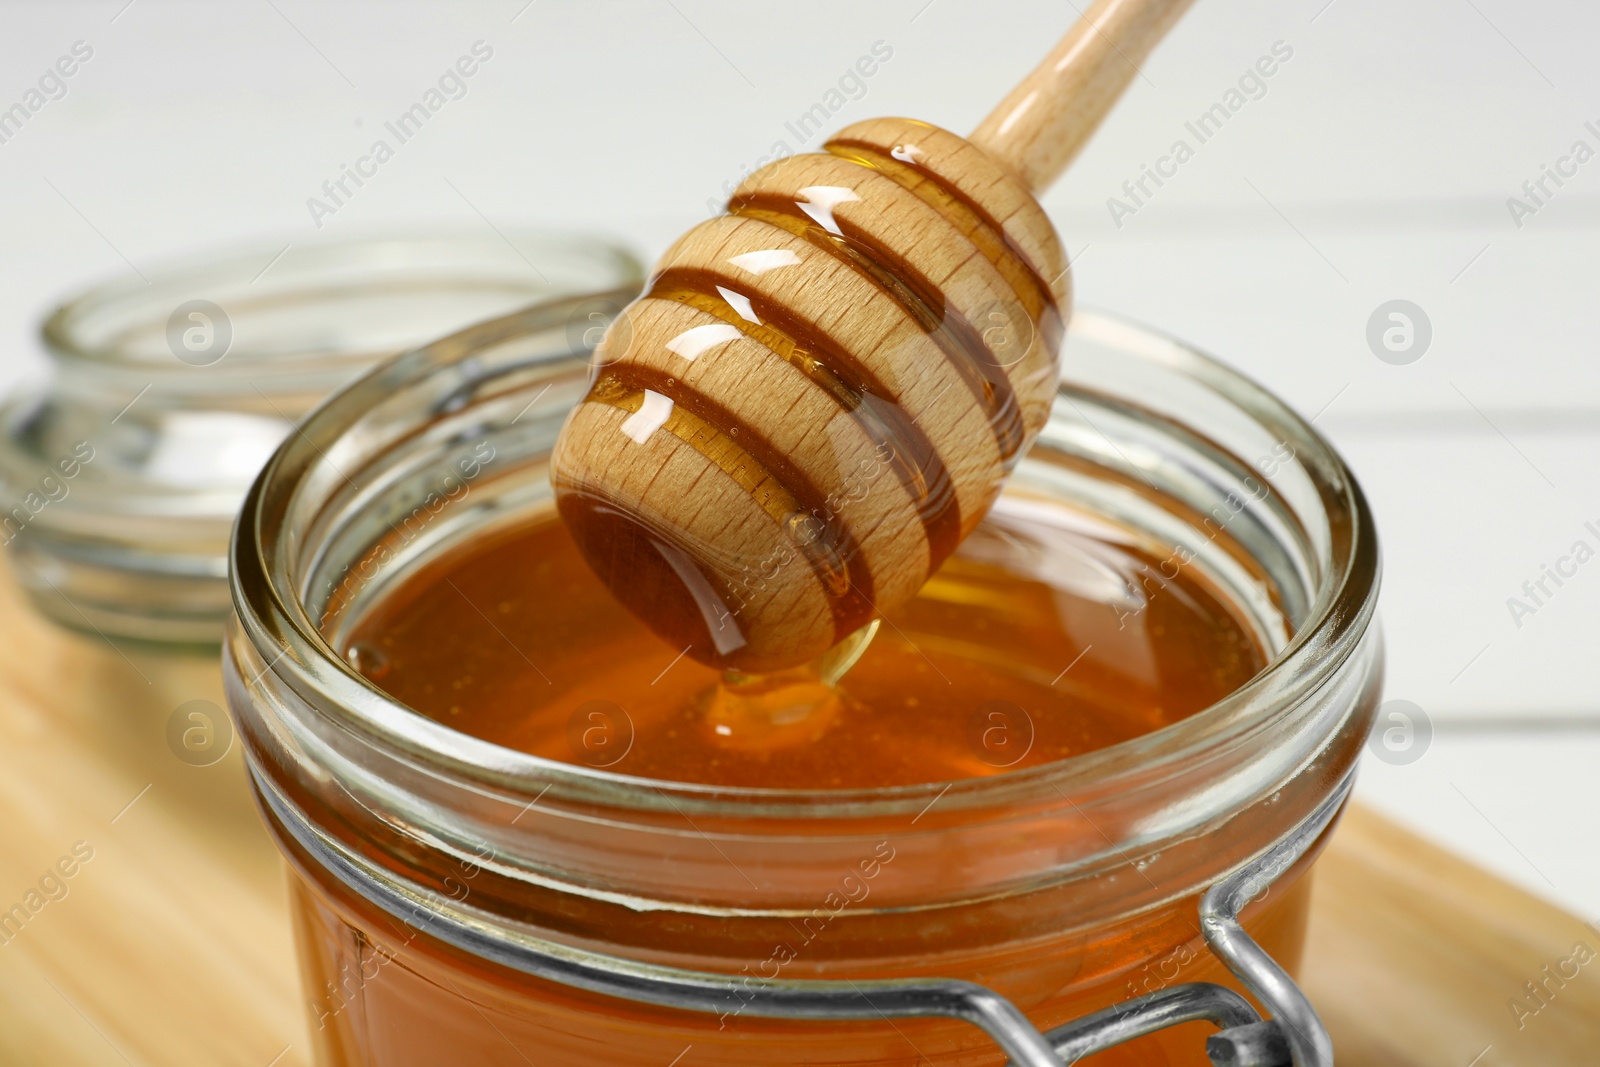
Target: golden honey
point(1043, 638)
point(1046, 636)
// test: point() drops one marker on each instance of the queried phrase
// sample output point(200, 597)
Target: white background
point(1377, 166)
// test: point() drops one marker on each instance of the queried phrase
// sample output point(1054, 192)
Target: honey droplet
point(369, 660)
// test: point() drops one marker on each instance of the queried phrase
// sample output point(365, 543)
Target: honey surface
point(1045, 636)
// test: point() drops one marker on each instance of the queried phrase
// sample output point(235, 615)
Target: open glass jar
point(122, 474)
point(431, 867)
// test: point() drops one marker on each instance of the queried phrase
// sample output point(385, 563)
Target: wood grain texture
point(940, 167)
point(172, 947)
point(1047, 119)
point(1416, 955)
point(819, 395)
point(913, 279)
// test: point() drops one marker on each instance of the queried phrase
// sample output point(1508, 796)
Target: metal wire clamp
point(1291, 1036)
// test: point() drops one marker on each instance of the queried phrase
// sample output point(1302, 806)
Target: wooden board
point(170, 946)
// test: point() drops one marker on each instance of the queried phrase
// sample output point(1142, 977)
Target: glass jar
point(122, 475)
point(430, 866)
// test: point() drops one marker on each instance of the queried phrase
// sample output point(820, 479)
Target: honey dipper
point(821, 392)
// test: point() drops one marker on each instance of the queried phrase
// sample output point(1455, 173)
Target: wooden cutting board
point(169, 946)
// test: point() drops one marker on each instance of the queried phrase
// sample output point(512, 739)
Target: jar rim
point(180, 381)
point(367, 255)
point(271, 616)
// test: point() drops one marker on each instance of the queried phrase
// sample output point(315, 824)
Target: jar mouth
point(124, 473)
point(311, 309)
point(1314, 502)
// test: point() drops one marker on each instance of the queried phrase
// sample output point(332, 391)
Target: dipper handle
point(1038, 129)
point(821, 393)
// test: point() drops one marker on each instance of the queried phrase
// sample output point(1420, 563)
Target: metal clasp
point(1291, 1036)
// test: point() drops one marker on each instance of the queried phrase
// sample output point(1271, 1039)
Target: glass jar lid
point(122, 474)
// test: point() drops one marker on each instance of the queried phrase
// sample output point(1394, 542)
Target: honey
point(1047, 635)
point(385, 995)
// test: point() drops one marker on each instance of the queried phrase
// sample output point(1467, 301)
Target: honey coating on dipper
point(893, 304)
point(1048, 634)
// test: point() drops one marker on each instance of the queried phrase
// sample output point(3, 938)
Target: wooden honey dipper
point(821, 393)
